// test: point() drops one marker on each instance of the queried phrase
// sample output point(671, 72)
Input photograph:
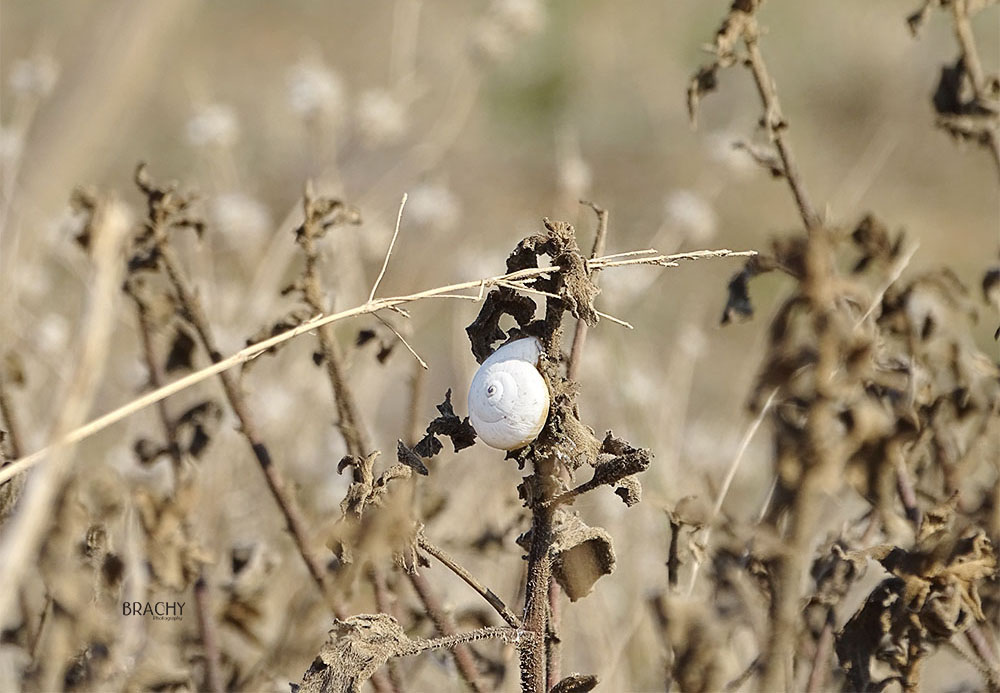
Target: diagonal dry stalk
point(367, 308)
point(454, 566)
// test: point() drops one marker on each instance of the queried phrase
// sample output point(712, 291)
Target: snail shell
point(508, 398)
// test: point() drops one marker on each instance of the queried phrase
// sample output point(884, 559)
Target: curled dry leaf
point(581, 555)
point(576, 683)
point(355, 650)
point(934, 593)
point(447, 424)
point(366, 490)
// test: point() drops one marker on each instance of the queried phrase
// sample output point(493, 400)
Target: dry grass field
point(253, 253)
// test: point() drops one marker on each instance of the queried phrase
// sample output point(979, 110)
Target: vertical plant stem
point(776, 125)
point(553, 640)
point(821, 460)
point(973, 65)
point(206, 623)
point(580, 334)
point(821, 660)
point(536, 604)
point(347, 410)
point(193, 310)
point(544, 486)
point(10, 423)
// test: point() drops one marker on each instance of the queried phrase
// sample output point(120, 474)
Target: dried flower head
point(433, 205)
point(315, 90)
point(213, 124)
point(381, 117)
point(240, 215)
point(34, 76)
point(688, 212)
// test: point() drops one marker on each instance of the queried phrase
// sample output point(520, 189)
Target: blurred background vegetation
point(490, 116)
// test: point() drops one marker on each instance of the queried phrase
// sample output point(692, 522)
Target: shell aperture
point(508, 398)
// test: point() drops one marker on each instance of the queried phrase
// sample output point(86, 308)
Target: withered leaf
point(181, 355)
point(196, 426)
point(485, 329)
point(148, 451)
point(460, 431)
point(448, 424)
point(581, 555)
point(355, 650)
point(366, 490)
point(738, 306)
point(703, 82)
point(428, 446)
point(573, 283)
point(629, 490)
point(385, 351)
point(576, 683)
point(411, 459)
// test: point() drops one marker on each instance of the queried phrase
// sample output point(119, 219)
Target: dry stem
point(206, 623)
point(485, 592)
point(348, 421)
point(254, 350)
point(191, 305)
point(446, 627)
point(580, 334)
point(9, 419)
point(26, 529)
point(970, 55)
point(776, 125)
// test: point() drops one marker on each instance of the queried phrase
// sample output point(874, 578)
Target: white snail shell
point(508, 398)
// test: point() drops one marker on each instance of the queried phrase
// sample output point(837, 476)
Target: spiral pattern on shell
point(508, 398)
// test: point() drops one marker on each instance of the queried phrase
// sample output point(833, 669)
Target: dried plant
point(846, 539)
